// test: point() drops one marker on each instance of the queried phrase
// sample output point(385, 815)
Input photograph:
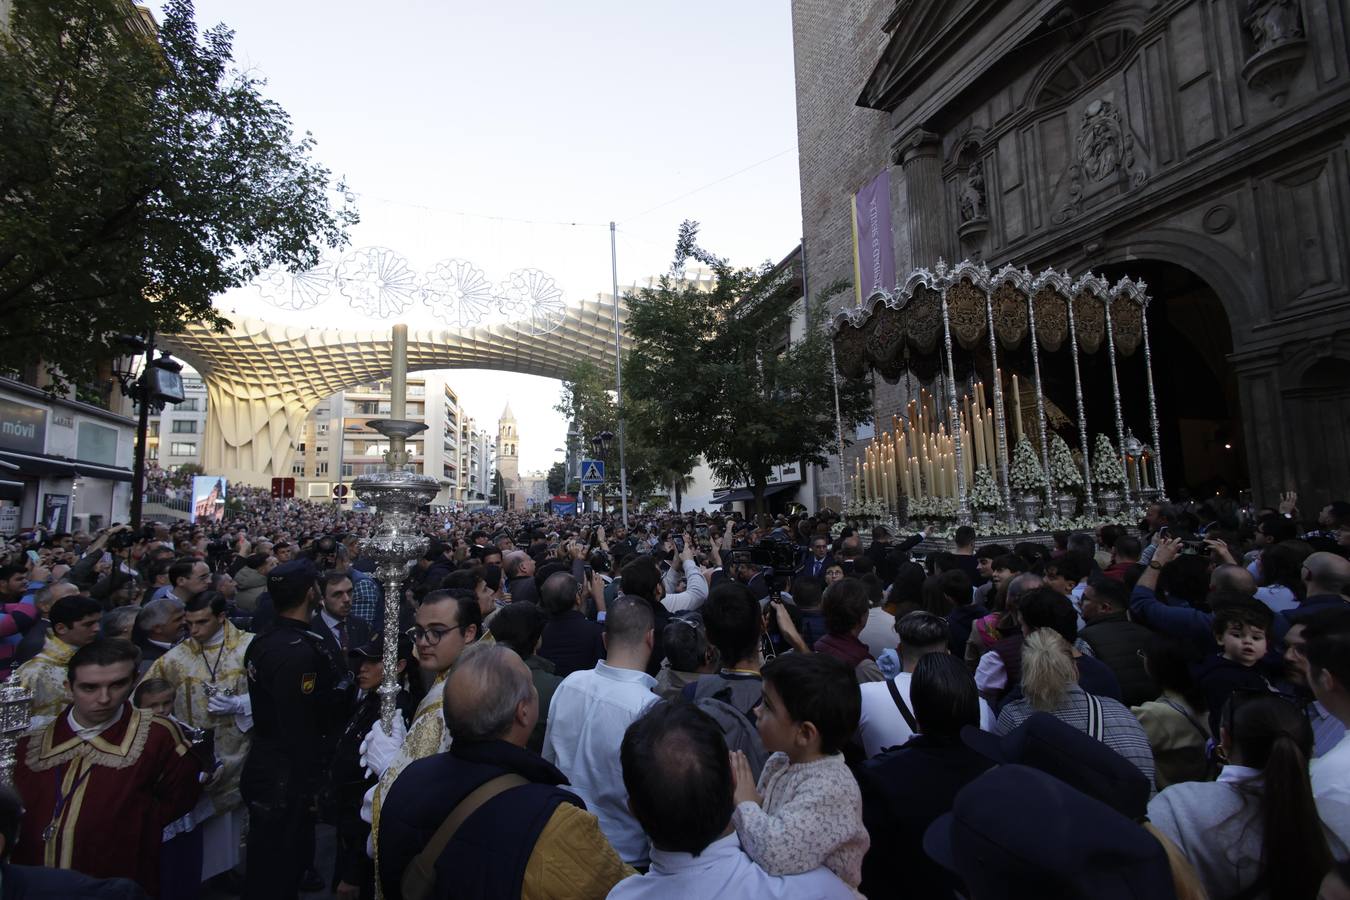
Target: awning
point(742, 494)
point(41, 465)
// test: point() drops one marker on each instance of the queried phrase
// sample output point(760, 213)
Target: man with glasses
point(819, 560)
point(447, 622)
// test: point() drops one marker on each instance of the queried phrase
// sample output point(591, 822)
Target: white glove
point(379, 749)
point(221, 704)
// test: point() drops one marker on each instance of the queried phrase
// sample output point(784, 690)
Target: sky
point(481, 132)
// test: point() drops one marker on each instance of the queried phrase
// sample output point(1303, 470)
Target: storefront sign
point(9, 520)
point(22, 427)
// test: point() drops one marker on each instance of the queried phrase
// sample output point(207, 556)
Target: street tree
point(715, 366)
point(143, 174)
point(557, 479)
point(654, 461)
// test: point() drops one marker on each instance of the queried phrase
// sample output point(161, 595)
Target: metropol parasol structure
point(264, 377)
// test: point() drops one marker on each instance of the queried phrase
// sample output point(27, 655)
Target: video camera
point(779, 556)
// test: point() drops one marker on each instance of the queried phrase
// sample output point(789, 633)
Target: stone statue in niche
point(973, 204)
point(1273, 22)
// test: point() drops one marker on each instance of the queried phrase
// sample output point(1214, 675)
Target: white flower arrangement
point(1107, 472)
point(1026, 473)
point(866, 509)
point(985, 496)
point(1065, 474)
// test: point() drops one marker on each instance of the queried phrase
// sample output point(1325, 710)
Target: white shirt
point(695, 588)
point(1331, 773)
point(881, 725)
point(88, 733)
point(723, 871)
point(590, 711)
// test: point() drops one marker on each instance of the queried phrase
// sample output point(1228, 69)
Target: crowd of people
point(699, 706)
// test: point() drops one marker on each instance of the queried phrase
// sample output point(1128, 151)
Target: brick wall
point(842, 146)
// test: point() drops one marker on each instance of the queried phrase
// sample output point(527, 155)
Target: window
point(298, 467)
point(189, 405)
point(321, 468)
point(348, 470)
point(184, 426)
point(152, 451)
point(154, 429)
point(183, 448)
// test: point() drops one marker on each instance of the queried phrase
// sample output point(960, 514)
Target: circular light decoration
point(296, 290)
point(377, 281)
point(533, 301)
point(458, 292)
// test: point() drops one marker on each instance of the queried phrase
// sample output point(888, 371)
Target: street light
point(159, 382)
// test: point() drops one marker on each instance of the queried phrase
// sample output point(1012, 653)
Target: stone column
point(1270, 464)
point(919, 155)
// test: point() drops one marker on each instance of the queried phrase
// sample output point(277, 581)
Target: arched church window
point(1085, 65)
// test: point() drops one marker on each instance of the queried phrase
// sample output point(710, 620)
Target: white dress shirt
point(881, 725)
point(1331, 773)
point(590, 711)
point(723, 871)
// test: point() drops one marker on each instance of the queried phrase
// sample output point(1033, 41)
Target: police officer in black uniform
point(297, 690)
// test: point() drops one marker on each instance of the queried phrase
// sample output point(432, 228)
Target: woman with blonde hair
point(1050, 684)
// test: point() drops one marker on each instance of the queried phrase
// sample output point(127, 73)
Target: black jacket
point(1218, 677)
point(40, 883)
point(358, 635)
point(903, 791)
point(572, 643)
point(523, 589)
point(1116, 641)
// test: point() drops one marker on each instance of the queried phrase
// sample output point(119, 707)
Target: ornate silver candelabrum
point(16, 713)
point(397, 493)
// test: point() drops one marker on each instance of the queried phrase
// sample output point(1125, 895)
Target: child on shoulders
point(807, 810)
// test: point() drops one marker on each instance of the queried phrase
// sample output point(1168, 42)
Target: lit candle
point(1017, 408)
point(981, 452)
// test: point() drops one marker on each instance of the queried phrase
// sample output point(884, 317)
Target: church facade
point(508, 462)
point(1200, 145)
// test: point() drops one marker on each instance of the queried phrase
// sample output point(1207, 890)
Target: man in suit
point(334, 622)
point(818, 560)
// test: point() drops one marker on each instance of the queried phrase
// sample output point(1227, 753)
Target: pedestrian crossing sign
point(592, 471)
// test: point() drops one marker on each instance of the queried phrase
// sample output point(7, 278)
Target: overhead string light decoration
point(381, 284)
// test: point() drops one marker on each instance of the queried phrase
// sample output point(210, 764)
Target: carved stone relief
point(1103, 148)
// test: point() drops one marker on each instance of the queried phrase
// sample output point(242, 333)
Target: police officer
point(296, 690)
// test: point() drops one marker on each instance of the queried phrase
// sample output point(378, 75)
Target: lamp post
point(158, 382)
point(600, 443)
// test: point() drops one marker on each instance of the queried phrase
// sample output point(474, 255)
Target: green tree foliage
point(714, 368)
point(140, 178)
point(557, 479)
point(655, 461)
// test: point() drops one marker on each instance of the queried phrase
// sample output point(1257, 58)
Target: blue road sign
point(592, 471)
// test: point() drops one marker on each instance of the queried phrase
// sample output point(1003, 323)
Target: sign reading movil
point(22, 427)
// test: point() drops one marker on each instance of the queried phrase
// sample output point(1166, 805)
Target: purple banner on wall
point(873, 247)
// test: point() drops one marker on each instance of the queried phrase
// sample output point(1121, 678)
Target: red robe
point(120, 788)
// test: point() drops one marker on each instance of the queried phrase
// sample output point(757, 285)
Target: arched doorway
point(1196, 387)
point(1199, 411)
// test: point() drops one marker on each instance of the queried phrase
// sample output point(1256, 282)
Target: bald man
point(543, 842)
point(1232, 578)
point(1326, 581)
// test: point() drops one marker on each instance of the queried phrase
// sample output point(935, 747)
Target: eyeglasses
point(432, 636)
